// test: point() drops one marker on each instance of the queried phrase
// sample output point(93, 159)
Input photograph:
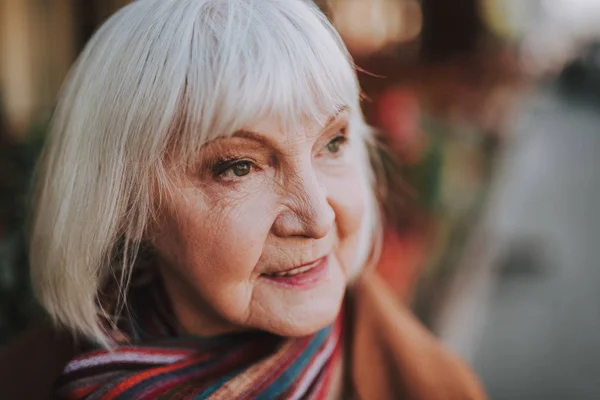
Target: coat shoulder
point(395, 356)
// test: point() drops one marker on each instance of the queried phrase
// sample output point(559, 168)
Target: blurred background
point(489, 116)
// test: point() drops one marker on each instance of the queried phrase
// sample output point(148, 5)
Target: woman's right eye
point(233, 169)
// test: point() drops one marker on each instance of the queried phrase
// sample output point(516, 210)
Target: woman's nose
point(309, 213)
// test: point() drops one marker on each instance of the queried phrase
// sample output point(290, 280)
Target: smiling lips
point(303, 276)
point(296, 270)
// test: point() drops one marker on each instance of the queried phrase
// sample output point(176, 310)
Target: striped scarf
point(162, 364)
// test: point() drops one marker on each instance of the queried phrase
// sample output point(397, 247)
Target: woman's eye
point(235, 169)
point(241, 168)
point(335, 145)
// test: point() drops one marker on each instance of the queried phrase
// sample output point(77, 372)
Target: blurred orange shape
point(402, 259)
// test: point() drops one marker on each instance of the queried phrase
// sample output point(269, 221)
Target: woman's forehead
point(274, 128)
point(303, 125)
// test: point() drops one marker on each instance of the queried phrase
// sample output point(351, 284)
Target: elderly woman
point(205, 221)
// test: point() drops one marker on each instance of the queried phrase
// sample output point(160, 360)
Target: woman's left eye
point(336, 144)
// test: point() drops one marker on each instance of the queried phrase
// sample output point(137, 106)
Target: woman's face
point(262, 233)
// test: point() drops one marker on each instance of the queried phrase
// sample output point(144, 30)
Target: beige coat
point(391, 356)
point(395, 357)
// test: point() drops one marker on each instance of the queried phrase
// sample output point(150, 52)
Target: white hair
point(157, 81)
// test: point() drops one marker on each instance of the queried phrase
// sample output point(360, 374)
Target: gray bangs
point(260, 60)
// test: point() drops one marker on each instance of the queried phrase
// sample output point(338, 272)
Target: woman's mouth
point(302, 276)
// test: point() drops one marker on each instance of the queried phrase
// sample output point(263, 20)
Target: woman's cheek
point(241, 225)
point(215, 232)
point(347, 196)
point(348, 200)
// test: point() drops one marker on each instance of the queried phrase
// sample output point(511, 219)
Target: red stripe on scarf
point(127, 384)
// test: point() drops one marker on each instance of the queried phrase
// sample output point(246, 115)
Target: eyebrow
point(335, 116)
point(251, 135)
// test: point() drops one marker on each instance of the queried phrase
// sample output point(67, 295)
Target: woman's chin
point(292, 310)
point(299, 323)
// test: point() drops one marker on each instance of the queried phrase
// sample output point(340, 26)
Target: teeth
point(292, 272)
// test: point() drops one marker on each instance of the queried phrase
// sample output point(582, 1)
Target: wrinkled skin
point(286, 199)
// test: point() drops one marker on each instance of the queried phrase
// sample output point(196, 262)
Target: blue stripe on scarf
point(217, 385)
point(293, 372)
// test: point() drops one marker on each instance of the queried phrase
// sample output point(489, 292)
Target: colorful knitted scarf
point(160, 364)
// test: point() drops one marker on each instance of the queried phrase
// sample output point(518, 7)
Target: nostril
point(314, 224)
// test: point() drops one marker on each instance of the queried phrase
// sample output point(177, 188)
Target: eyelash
point(220, 167)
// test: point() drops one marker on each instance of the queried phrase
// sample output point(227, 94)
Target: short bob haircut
point(156, 82)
